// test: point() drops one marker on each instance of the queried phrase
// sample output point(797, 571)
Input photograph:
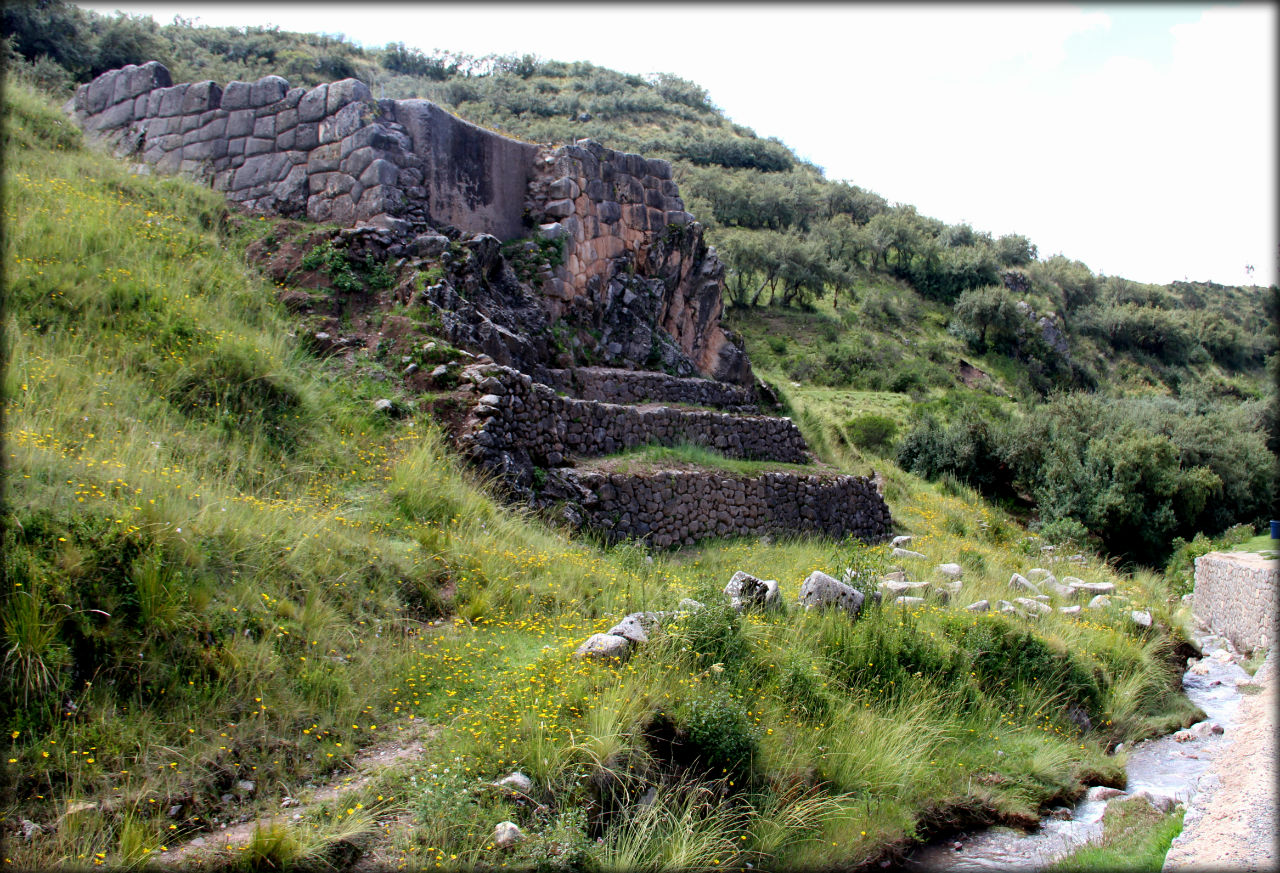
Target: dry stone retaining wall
point(677, 507)
point(1235, 595)
point(519, 416)
point(611, 385)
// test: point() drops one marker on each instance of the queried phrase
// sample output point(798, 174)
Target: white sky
point(1140, 139)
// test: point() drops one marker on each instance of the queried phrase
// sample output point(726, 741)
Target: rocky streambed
point(1166, 769)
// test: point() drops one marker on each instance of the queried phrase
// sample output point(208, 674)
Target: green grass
point(1136, 838)
point(221, 564)
point(690, 455)
point(1261, 544)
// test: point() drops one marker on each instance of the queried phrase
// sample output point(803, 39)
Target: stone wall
point(677, 507)
point(531, 422)
point(1235, 595)
point(636, 270)
point(611, 385)
point(331, 153)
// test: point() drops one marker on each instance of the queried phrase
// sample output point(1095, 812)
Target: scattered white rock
point(822, 590)
point(746, 590)
point(1096, 588)
point(1018, 582)
point(1069, 610)
point(1141, 618)
point(635, 627)
point(1005, 606)
point(1072, 581)
point(1102, 601)
point(908, 601)
point(979, 606)
point(1102, 792)
point(906, 553)
point(947, 591)
point(1039, 575)
point(953, 571)
point(516, 781)
point(384, 405)
point(1032, 607)
point(506, 834)
point(603, 646)
point(689, 604)
point(900, 541)
point(896, 576)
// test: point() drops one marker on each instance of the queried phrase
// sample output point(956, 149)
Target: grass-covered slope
point(221, 567)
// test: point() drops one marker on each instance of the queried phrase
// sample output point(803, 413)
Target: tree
point(1015, 250)
point(990, 308)
point(49, 28)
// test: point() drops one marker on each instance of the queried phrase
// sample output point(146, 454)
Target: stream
point(1161, 767)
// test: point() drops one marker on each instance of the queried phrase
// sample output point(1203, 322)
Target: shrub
point(719, 732)
point(872, 432)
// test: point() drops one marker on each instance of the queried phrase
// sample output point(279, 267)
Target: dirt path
point(371, 761)
point(1232, 825)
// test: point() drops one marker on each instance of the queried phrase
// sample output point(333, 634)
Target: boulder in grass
point(516, 782)
point(1039, 575)
point(906, 553)
point(1093, 589)
point(746, 590)
point(602, 647)
point(1005, 606)
point(689, 605)
point(820, 590)
point(951, 571)
point(506, 834)
point(1018, 582)
point(1141, 617)
point(1102, 601)
point(635, 627)
point(1032, 607)
point(947, 591)
point(1070, 610)
point(900, 541)
point(979, 606)
point(908, 601)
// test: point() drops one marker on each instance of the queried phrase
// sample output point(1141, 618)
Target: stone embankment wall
point(611, 385)
point(331, 153)
point(518, 416)
point(1236, 596)
point(673, 508)
point(634, 259)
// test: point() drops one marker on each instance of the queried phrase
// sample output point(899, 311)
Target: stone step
point(616, 385)
point(523, 422)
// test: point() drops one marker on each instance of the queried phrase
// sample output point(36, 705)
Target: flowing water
point(1162, 767)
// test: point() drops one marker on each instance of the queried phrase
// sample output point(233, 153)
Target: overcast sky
point(1140, 139)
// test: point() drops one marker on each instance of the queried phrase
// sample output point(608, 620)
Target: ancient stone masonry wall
point(1236, 596)
point(331, 153)
point(636, 270)
point(677, 507)
point(610, 385)
point(530, 422)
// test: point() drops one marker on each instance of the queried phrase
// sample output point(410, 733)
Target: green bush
point(719, 731)
point(872, 432)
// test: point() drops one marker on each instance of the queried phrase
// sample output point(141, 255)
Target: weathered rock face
point(634, 268)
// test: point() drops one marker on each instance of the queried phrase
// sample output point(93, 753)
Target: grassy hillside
point(225, 576)
point(977, 348)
